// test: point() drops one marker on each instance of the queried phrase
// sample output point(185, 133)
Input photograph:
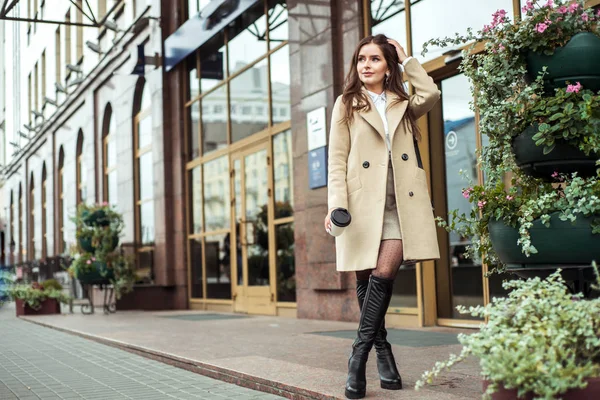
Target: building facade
point(208, 157)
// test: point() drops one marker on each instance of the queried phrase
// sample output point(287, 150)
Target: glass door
point(253, 215)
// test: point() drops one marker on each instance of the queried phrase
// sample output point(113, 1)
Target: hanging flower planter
point(96, 274)
point(562, 243)
point(577, 61)
point(86, 244)
point(564, 158)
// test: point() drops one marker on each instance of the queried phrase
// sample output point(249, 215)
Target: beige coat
point(358, 168)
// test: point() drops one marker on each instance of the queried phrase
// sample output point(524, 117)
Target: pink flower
point(501, 47)
point(487, 28)
point(574, 88)
point(548, 22)
point(550, 3)
point(93, 258)
point(562, 10)
point(528, 6)
point(509, 198)
point(541, 28)
point(480, 204)
point(585, 17)
point(555, 174)
point(573, 7)
point(89, 262)
point(467, 192)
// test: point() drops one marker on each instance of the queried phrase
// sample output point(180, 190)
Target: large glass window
point(44, 214)
point(110, 160)
point(388, 17)
point(81, 171)
point(440, 18)
point(32, 221)
point(144, 163)
point(21, 208)
point(237, 90)
point(62, 207)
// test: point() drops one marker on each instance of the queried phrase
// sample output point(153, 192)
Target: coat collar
point(394, 112)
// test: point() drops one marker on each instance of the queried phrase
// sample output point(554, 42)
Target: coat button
point(405, 156)
point(411, 194)
point(366, 164)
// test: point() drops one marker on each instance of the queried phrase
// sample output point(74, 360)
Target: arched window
point(31, 228)
point(109, 146)
point(44, 214)
point(12, 228)
point(80, 170)
point(21, 248)
point(144, 173)
point(62, 209)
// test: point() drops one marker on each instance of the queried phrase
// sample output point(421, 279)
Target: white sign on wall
point(316, 128)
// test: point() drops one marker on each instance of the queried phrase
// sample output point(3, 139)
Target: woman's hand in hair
point(399, 50)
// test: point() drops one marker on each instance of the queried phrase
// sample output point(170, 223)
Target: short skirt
point(391, 222)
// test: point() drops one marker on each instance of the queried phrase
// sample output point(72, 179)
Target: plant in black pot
point(96, 257)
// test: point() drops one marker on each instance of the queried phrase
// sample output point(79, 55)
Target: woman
point(375, 172)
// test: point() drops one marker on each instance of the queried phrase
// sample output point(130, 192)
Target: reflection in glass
point(440, 18)
point(193, 112)
point(146, 176)
point(195, 6)
point(460, 155)
point(405, 288)
point(283, 174)
point(145, 267)
point(248, 91)
point(216, 194)
point(256, 235)
point(213, 67)
point(280, 85)
point(214, 124)
point(286, 263)
point(278, 22)
point(237, 188)
point(388, 17)
point(147, 222)
point(194, 81)
point(196, 267)
point(218, 266)
point(247, 40)
point(111, 152)
point(145, 132)
point(196, 200)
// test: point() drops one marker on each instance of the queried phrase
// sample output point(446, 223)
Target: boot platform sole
point(355, 395)
point(391, 386)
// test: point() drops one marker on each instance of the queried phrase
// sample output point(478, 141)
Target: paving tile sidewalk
point(43, 363)
point(296, 358)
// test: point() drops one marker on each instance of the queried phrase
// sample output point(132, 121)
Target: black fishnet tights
point(388, 261)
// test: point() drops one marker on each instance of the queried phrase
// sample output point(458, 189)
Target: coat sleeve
point(426, 91)
point(339, 148)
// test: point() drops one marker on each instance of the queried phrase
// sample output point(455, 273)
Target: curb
point(211, 371)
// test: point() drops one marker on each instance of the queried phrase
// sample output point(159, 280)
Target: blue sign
point(317, 167)
point(197, 30)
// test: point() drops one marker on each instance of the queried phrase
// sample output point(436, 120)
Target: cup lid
point(341, 217)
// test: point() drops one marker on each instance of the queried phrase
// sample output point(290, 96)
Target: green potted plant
point(96, 258)
point(540, 121)
point(38, 298)
point(519, 227)
point(540, 342)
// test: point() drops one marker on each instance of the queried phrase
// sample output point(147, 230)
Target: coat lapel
point(372, 116)
point(394, 112)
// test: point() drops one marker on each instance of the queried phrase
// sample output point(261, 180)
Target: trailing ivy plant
point(541, 339)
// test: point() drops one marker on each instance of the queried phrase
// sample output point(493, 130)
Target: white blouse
point(380, 102)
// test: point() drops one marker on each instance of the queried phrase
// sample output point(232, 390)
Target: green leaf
point(544, 127)
point(548, 149)
point(556, 116)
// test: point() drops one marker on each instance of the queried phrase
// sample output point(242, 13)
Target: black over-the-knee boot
point(375, 305)
point(386, 364)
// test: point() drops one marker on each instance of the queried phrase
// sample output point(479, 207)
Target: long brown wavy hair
point(354, 98)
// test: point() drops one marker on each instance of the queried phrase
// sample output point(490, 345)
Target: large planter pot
point(48, 306)
point(591, 391)
point(562, 244)
point(86, 244)
point(564, 158)
point(99, 274)
point(577, 61)
point(95, 218)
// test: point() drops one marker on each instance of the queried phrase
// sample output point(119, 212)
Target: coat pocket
point(353, 185)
